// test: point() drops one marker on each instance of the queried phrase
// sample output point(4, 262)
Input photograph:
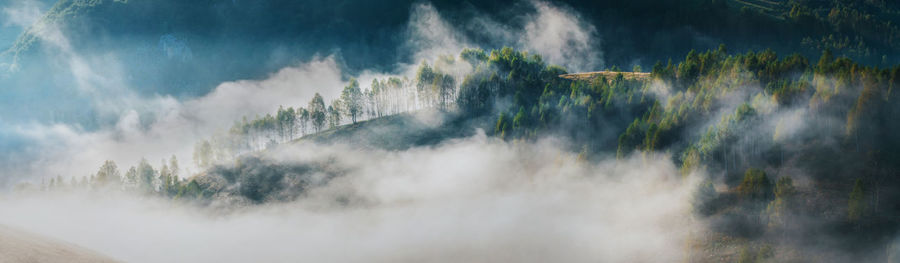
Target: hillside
point(784, 152)
point(768, 176)
point(399, 132)
point(19, 246)
point(745, 131)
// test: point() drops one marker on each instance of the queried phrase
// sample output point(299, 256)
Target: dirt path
point(608, 74)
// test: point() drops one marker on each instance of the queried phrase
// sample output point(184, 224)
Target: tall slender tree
point(318, 112)
point(302, 119)
point(165, 177)
point(352, 101)
point(334, 113)
point(424, 84)
point(146, 176)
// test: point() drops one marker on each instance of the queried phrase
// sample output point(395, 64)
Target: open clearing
point(608, 74)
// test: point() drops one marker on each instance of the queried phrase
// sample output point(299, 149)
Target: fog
point(135, 125)
point(469, 199)
point(476, 198)
point(472, 199)
point(170, 127)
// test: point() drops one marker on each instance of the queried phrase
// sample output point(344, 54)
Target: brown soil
point(608, 74)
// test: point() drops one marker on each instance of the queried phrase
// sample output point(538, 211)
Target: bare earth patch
point(608, 74)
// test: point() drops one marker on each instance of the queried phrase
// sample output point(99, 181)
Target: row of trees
point(431, 88)
point(529, 100)
point(144, 178)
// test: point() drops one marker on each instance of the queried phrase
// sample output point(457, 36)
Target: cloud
point(473, 199)
point(556, 32)
point(23, 15)
point(561, 36)
point(431, 36)
point(97, 77)
point(161, 126)
point(157, 126)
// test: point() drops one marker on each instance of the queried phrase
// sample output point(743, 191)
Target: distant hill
point(255, 179)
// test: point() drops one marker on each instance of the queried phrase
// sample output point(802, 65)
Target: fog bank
point(474, 199)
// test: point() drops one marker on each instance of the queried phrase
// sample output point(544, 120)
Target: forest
point(696, 131)
point(744, 106)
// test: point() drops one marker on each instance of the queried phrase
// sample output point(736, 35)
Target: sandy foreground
point(20, 246)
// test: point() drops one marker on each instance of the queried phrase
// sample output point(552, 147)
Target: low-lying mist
point(470, 199)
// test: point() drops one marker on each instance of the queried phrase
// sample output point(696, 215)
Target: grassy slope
point(401, 131)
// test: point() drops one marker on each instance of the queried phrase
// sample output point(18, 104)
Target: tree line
point(432, 87)
point(165, 180)
point(523, 98)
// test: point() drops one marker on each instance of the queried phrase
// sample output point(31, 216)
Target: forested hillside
point(699, 130)
point(754, 123)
